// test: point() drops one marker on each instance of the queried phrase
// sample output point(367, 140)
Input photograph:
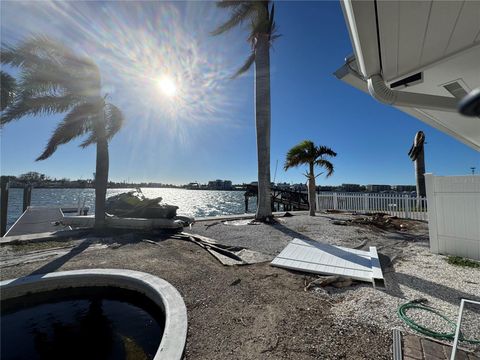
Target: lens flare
point(136, 45)
point(167, 85)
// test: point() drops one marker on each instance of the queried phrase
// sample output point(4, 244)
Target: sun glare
point(167, 85)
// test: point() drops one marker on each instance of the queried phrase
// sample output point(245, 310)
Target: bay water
point(196, 203)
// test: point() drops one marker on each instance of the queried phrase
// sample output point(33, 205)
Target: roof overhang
point(420, 50)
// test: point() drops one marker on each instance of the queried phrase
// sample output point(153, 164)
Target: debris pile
point(323, 281)
point(378, 220)
point(134, 204)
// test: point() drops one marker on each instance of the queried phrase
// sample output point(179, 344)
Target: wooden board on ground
point(318, 258)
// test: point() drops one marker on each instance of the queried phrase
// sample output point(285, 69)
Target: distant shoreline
point(118, 187)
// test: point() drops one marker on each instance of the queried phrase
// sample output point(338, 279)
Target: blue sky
point(209, 132)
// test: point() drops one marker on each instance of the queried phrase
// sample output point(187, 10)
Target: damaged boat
point(132, 210)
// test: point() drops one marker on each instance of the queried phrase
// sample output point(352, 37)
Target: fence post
point(431, 211)
point(365, 203)
point(335, 201)
point(4, 207)
point(406, 206)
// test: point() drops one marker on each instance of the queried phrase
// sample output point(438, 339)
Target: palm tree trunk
point(101, 174)
point(420, 173)
point(262, 121)
point(311, 190)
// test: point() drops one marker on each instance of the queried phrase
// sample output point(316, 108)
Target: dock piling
point(4, 206)
point(27, 196)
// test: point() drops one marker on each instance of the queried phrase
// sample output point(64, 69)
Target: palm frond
point(325, 150)
point(40, 48)
point(37, 106)
point(273, 30)
point(307, 153)
point(261, 23)
point(91, 139)
point(241, 13)
point(18, 58)
point(76, 123)
point(53, 78)
point(247, 65)
point(271, 19)
point(300, 154)
point(325, 164)
point(229, 3)
point(42, 58)
point(8, 86)
point(46, 76)
point(31, 52)
point(113, 120)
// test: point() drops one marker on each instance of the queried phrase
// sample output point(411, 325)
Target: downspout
point(380, 91)
point(362, 20)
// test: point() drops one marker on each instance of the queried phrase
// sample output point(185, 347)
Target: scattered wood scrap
point(335, 281)
point(378, 220)
point(226, 254)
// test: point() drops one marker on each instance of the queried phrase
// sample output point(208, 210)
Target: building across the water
point(352, 187)
point(378, 188)
point(220, 185)
point(402, 188)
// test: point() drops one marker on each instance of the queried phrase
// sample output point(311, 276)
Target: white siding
point(454, 214)
point(320, 258)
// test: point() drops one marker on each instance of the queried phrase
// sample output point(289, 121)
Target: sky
point(207, 130)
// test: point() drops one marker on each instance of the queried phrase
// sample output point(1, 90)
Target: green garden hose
point(402, 313)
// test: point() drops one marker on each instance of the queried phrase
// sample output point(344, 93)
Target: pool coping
point(156, 289)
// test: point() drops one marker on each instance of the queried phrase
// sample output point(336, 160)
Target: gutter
point(362, 20)
point(378, 89)
point(381, 92)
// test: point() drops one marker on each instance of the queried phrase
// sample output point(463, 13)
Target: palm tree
point(260, 17)
point(417, 154)
point(306, 153)
point(53, 79)
point(7, 87)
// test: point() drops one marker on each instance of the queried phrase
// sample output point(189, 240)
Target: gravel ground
point(271, 239)
point(258, 311)
point(411, 271)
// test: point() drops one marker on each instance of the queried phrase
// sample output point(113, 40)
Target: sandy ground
point(258, 311)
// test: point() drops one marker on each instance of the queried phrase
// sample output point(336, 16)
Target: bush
point(460, 261)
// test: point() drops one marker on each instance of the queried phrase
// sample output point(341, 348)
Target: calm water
point(197, 203)
point(101, 324)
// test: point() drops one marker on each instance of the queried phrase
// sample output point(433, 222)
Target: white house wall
point(454, 215)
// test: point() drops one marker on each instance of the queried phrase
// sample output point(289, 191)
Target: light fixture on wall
point(470, 104)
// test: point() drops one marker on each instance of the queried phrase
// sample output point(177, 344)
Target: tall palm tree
point(53, 79)
point(306, 153)
point(417, 154)
point(260, 17)
point(7, 89)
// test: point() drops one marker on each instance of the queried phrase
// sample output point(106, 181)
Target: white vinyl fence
point(403, 206)
point(454, 215)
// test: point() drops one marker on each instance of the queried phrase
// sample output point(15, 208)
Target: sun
point(167, 85)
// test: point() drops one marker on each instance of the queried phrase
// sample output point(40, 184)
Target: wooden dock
point(39, 219)
point(282, 199)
